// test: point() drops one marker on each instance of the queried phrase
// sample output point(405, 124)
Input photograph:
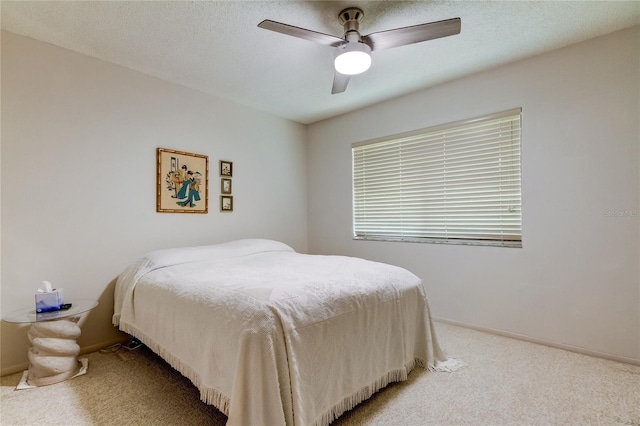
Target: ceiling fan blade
point(326, 39)
point(340, 82)
point(413, 34)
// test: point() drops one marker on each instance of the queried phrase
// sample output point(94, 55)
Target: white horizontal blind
point(457, 183)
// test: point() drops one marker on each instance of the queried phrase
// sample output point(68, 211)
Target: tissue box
point(49, 301)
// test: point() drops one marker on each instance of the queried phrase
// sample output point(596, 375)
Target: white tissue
point(48, 288)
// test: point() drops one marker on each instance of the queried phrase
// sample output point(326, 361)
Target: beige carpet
point(507, 382)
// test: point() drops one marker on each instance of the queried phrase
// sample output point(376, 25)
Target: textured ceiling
point(216, 47)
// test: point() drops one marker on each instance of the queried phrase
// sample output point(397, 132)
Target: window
point(454, 183)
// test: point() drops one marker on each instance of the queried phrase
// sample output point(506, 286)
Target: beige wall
point(79, 139)
point(576, 281)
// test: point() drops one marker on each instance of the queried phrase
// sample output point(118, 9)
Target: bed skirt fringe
point(448, 366)
point(399, 375)
point(214, 397)
point(208, 395)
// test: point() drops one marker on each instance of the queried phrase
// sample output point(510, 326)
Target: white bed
point(273, 337)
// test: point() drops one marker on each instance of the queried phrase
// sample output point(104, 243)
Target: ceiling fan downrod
point(350, 19)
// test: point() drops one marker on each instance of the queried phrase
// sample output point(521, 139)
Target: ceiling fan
point(353, 51)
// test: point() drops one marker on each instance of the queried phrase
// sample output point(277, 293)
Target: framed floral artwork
point(226, 168)
point(225, 186)
point(182, 182)
point(226, 203)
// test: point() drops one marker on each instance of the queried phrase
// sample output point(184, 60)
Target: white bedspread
point(273, 337)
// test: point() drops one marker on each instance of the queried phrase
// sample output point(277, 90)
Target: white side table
point(53, 355)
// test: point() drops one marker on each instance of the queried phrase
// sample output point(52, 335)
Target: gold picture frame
point(182, 182)
point(226, 203)
point(225, 186)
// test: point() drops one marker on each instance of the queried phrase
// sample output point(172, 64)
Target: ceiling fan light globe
point(354, 58)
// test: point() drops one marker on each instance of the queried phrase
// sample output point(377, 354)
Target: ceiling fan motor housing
point(350, 19)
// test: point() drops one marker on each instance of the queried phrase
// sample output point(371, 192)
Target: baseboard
point(14, 369)
point(570, 348)
point(98, 346)
point(85, 350)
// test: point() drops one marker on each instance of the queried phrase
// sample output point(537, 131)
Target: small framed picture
point(226, 203)
point(225, 186)
point(226, 168)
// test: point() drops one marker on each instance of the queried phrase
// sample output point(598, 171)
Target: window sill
point(490, 243)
